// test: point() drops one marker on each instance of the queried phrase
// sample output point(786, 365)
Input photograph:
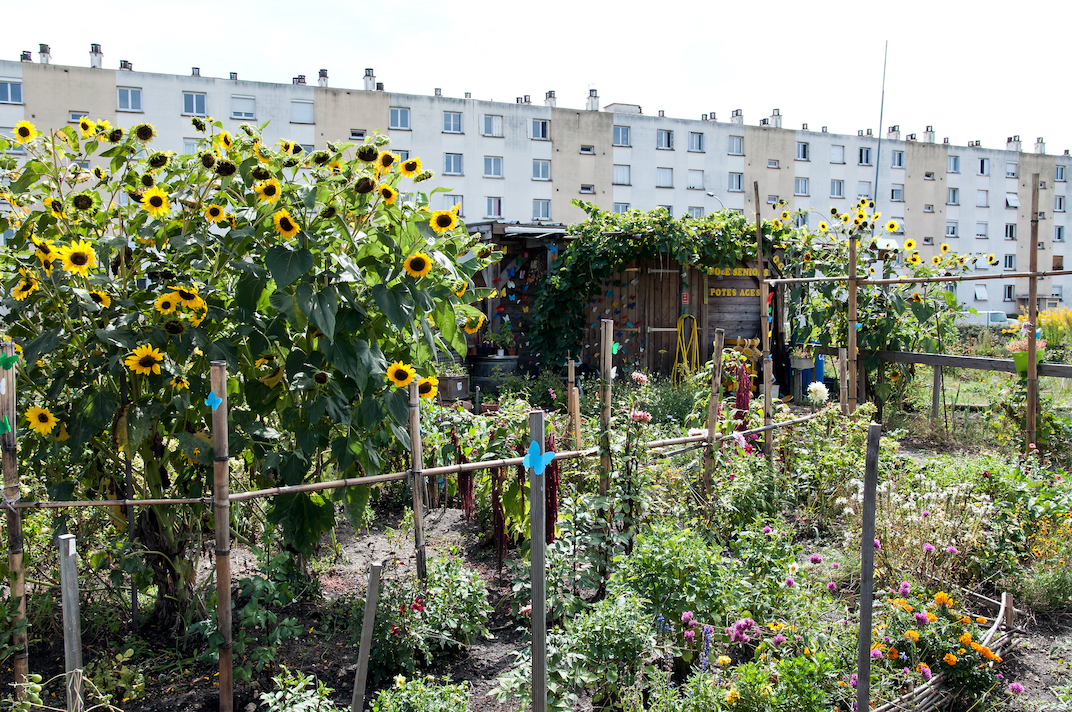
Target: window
point(952, 164)
point(1012, 200)
point(696, 142)
point(301, 112)
point(696, 212)
point(736, 147)
point(837, 154)
point(952, 196)
point(772, 163)
point(492, 126)
point(981, 231)
point(929, 175)
point(541, 169)
point(772, 199)
point(450, 200)
point(897, 192)
point(622, 175)
point(588, 189)
point(11, 93)
point(403, 155)
point(189, 146)
point(1007, 292)
point(399, 118)
point(1058, 233)
point(621, 136)
point(928, 241)
point(736, 183)
point(357, 134)
point(980, 293)
point(588, 150)
point(541, 129)
point(73, 117)
point(452, 122)
point(493, 167)
point(668, 208)
point(897, 159)
point(541, 209)
point(800, 220)
point(900, 225)
point(621, 207)
point(1010, 231)
point(494, 208)
point(984, 166)
point(800, 186)
point(1059, 173)
point(1058, 262)
point(245, 107)
point(837, 189)
point(129, 99)
point(1059, 204)
point(1010, 261)
point(1010, 170)
point(696, 181)
point(1058, 292)
point(928, 208)
point(452, 164)
point(982, 199)
point(865, 156)
point(664, 177)
point(863, 189)
point(193, 103)
point(803, 153)
point(664, 139)
point(951, 229)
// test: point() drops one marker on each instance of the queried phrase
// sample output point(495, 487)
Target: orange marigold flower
point(950, 659)
point(941, 598)
point(966, 638)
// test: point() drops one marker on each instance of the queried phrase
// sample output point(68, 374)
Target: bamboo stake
point(72, 625)
point(851, 350)
point(936, 393)
point(9, 447)
point(574, 403)
point(1032, 321)
point(606, 359)
point(416, 467)
point(537, 570)
point(222, 508)
point(867, 567)
point(372, 595)
point(843, 380)
point(712, 408)
point(764, 331)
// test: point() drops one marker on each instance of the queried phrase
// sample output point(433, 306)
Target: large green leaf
point(287, 265)
point(354, 500)
point(446, 320)
point(397, 402)
point(43, 344)
point(301, 519)
point(320, 306)
point(395, 303)
point(248, 290)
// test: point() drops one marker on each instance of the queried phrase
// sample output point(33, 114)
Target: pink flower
point(767, 530)
point(951, 550)
point(789, 582)
point(922, 618)
point(877, 545)
point(816, 559)
point(876, 653)
point(925, 672)
point(1016, 688)
point(526, 610)
point(690, 635)
point(639, 378)
point(928, 547)
point(836, 565)
point(778, 640)
point(640, 416)
point(831, 587)
point(686, 617)
point(926, 513)
point(552, 392)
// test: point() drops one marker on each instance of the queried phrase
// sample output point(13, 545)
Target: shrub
point(615, 638)
point(293, 694)
point(422, 695)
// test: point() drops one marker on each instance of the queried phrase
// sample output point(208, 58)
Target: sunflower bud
point(423, 176)
point(333, 147)
point(381, 139)
point(291, 162)
point(367, 153)
point(207, 159)
point(364, 184)
point(249, 130)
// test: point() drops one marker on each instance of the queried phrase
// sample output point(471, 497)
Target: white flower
point(818, 393)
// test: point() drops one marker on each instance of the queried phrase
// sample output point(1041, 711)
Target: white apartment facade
point(525, 162)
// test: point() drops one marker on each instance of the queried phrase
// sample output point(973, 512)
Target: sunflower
point(807, 257)
point(41, 420)
point(891, 226)
point(461, 287)
point(785, 215)
point(945, 248)
point(936, 260)
point(823, 227)
point(198, 314)
point(473, 324)
point(389, 194)
point(78, 257)
point(833, 211)
point(155, 202)
point(44, 251)
point(335, 166)
point(917, 297)
point(188, 297)
point(159, 160)
point(261, 152)
point(143, 132)
point(260, 172)
point(991, 259)
point(862, 203)
point(364, 185)
point(224, 139)
point(85, 201)
point(145, 360)
point(100, 298)
point(268, 191)
point(166, 303)
point(87, 126)
point(962, 260)
point(26, 286)
point(284, 224)
point(871, 270)
point(401, 374)
point(179, 383)
point(428, 387)
point(147, 180)
point(208, 160)
point(895, 376)
point(226, 168)
point(286, 146)
point(910, 244)
point(410, 167)
point(423, 175)
point(266, 360)
point(385, 160)
point(845, 217)
point(174, 327)
point(443, 220)
point(328, 212)
point(914, 259)
point(215, 213)
point(199, 124)
point(115, 135)
point(777, 224)
point(55, 207)
point(418, 265)
point(24, 132)
point(368, 153)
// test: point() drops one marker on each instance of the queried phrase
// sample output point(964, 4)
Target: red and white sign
point(684, 297)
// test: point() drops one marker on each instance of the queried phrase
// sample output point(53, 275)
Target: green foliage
point(294, 693)
point(115, 680)
point(567, 673)
point(422, 695)
point(759, 570)
point(456, 605)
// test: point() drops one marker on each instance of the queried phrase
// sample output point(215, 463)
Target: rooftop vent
point(234, 76)
point(96, 57)
point(322, 80)
point(195, 71)
point(468, 95)
point(124, 64)
point(379, 86)
point(438, 92)
point(45, 53)
point(26, 56)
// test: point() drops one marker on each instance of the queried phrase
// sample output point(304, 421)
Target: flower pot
point(471, 351)
point(1020, 359)
point(500, 352)
point(801, 364)
point(489, 407)
point(511, 352)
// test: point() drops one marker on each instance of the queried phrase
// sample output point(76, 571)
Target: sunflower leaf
point(394, 303)
point(320, 307)
point(43, 344)
point(397, 402)
point(286, 265)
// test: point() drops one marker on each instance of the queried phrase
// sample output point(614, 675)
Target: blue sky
point(971, 70)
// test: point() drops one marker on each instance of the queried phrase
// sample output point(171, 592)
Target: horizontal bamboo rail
point(108, 503)
point(920, 280)
point(978, 363)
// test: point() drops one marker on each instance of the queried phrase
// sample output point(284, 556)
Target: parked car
point(996, 319)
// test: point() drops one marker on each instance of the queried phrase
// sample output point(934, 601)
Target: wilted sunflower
point(166, 303)
point(100, 298)
point(284, 224)
point(268, 191)
point(100, 174)
point(401, 374)
point(147, 180)
point(225, 168)
point(143, 132)
point(260, 172)
point(364, 185)
point(428, 387)
point(473, 324)
point(320, 157)
point(917, 297)
point(41, 420)
point(286, 146)
point(24, 132)
point(78, 257)
point(871, 204)
point(26, 286)
point(55, 207)
point(385, 160)
point(443, 220)
point(936, 260)
point(891, 226)
point(418, 265)
point(85, 201)
point(261, 152)
point(423, 176)
point(159, 160)
point(328, 212)
point(179, 383)
point(87, 126)
point(174, 327)
point(410, 167)
point(155, 201)
point(367, 153)
point(199, 124)
point(224, 139)
point(115, 135)
point(215, 213)
point(208, 159)
point(389, 194)
point(145, 360)
point(910, 244)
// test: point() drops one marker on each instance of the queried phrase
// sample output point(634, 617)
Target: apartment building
point(525, 162)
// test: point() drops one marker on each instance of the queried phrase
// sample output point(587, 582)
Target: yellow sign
point(733, 292)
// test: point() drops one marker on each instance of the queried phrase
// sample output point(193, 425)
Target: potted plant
point(502, 340)
point(1018, 349)
point(453, 381)
point(801, 359)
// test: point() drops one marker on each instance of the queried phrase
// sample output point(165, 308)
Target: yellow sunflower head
point(41, 420)
point(166, 303)
point(823, 227)
point(428, 387)
point(895, 376)
point(55, 207)
point(286, 146)
point(385, 160)
point(410, 167)
point(991, 259)
point(785, 215)
point(945, 248)
point(845, 217)
point(891, 226)
point(145, 360)
point(461, 287)
point(443, 220)
point(910, 244)
point(473, 324)
point(86, 126)
point(262, 152)
point(401, 374)
point(188, 297)
point(418, 265)
point(268, 191)
point(917, 297)
point(155, 201)
point(179, 383)
point(26, 286)
point(25, 132)
point(914, 259)
point(224, 140)
point(78, 257)
point(284, 224)
point(100, 298)
point(936, 260)
point(389, 194)
point(215, 213)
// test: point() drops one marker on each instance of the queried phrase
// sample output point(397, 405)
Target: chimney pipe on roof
point(468, 95)
point(737, 117)
point(549, 98)
point(127, 65)
point(711, 117)
point(661, 113)
point(45, 53)
point(593, 100)
point(893, 133)
point(370, 80)
point(300, 79)
point(928, 135)
point(438, 92)
point(195, 71)
point(96, 57)
point(776, 119)
point(1040, 145)
point(803, 127)
point(323, 79)
point(379, 86)
point(824, 129)
point(1013, 143)
point(528, 99)
point(234, 76)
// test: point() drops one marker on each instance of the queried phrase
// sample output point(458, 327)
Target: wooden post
point(573, 403)
point(128, 467)
point(936, 394)
point(852, 366)
point(222, 508)
point(1010, 611)
point(712, 408)
point(537, 570)
point(72, 624)
point(416, 466)
point(606, 361)
point(372, 595)
point(843, 380)
point(764, 332)
point(867, 568)
point(9, 446)
point(1032, 321)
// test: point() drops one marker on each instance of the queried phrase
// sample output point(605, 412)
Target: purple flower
point(877, 545)
point(905, 589)
point(928, 548)
point(690, 635)
point(922, 619)
point(738, 632)
point(767, 530)
point(686, 616)
point(876, 653)
point(816, 559)
point(831, 587)
point(777, 640)
point(1000, 676)
point(836, 565)
point(1016, 688)
point(789, 582)
point(951, 550)
point(852, 681)
point(925, 672)
point(926, 513)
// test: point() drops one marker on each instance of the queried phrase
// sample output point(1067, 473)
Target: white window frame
point(736, 183)
point(928, 175)
point(1058, 233)
point(693, 175)
point(493, 204)
point(588, 189)
point(491, 125)
point(952, 164)
point(984, 167)
point(897, 159)
point(1011, 170)
point(928, 208)
point(541, 129)
point(801, 185)
point(952, 228)
point(541, 169)
point(450, 119)
point(803, 151)
point(661, 176)
point(863, 193)
point(1008, 292)
point(194, 95)
point(981, 293)
point(772, 199)
point(1010, 231)
point(493, 162)
point(1058, 203)
point(773, 163)
point(896, 192)
point(623, 174)
point(247, 115)
point(697, 142)
point(1012, 200)
point(450, 200)
point(1009, 263)
point(73, 117)
point(399, 118)
point(449, 161)
point(696, 211)
point(1058, 292)
point(1059, 173)
point(864, 156)
point(537, 212)
point(131, 94)
point(836, 153)
point(587, 150)
point(952, 196)
point(621, 208)
point(735, 146)
point(837, 188)
point(302, 105)
point(8, 84)
point(664, 139)
point(982, 198)
point(358, 134)
point(622, 136)
point(189, 145)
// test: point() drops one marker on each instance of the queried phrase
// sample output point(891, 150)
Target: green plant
point(422, 695)
point(455, 605)
point(294, 694)
point(115, 680)
point(502, 338)
point(567, 673)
